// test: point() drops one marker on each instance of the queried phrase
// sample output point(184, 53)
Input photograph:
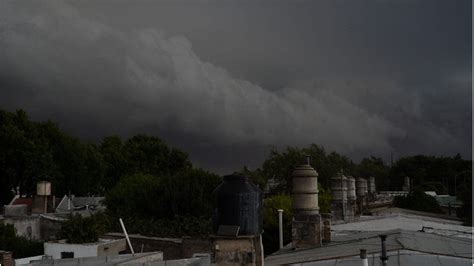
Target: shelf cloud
point(97, 79)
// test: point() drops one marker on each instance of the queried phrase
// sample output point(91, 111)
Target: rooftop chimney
point(306, 226)
point(339, 196)
point(361, 192)
point(351, 198)
point(372, 189)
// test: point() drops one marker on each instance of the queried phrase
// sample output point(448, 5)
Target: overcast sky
point(226, 80)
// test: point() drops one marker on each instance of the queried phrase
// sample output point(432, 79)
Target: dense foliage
point(418, 200)
point(173, 197)
point(450, 173)
point(34, 151)
point(280, 165)
point(20, 246)
point(156, 190)
point(270, 221)
point(78, 229)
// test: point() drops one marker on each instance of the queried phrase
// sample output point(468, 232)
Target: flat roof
point(349, 246)
point(407, 222)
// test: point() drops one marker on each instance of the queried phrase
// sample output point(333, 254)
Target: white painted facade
point(104, 247)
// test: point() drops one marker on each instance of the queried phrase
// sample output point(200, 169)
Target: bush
point(20, 246)
point(324, 200)
point(80, 230)
point(188, 193)
point(418, 201)
point(168, 205)
point(270, 221)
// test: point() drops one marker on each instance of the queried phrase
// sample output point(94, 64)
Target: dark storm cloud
point(226, 80)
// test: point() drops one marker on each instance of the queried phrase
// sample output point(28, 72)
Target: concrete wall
point(80, 250)
point(27, 226)
point(172, 248)
point(112, 247)
point(22, 261)
point(237, 251)
point(16, 210)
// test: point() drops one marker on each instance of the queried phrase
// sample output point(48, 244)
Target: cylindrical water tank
point(240, 203)
point(360, 187)
point(339, 187)
point(305, 190)
point(351, 188)
point(43, 188)
point(372, 184)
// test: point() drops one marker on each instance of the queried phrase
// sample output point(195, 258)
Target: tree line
point(156, 189)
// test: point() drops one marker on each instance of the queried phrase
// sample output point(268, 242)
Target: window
point(67, 255)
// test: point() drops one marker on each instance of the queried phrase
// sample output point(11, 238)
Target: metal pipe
point(383, 257)
point(126, 236)
point(280, 227)
point(363, 257)
point(342, 195)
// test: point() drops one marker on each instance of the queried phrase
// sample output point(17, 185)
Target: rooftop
point(413, 238)
point(420, 246)
point(394, 219)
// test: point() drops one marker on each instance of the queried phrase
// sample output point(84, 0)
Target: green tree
point(280, 165)
point(419, 201)
point(270, 221)
point(176, 201)
point(186, 193)
point(113, 154)
point(150, 155)
point(81, 166)
point(25, 157)
point(375, 167)
point(78, 229)
point(18, 245)
point(324, 200)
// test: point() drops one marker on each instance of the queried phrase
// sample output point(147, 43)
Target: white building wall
point(80, 250)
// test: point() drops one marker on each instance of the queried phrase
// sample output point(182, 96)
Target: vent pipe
point(363, 257)
point(280, 227)
point(383, 257)
point(126, 236)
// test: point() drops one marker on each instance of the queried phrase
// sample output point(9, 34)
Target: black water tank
point(238, 202)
